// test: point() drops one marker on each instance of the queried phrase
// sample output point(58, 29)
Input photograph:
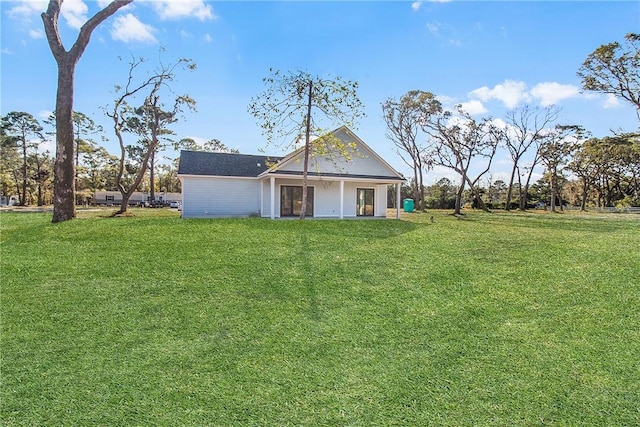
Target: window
point(364, 202)
point(291, 200)
point(109, 198)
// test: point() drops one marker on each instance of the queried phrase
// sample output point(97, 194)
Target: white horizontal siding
point(206, 197)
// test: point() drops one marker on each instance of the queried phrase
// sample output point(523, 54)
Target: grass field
point(503, 319)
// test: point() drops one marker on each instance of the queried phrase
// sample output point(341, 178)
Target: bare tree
point(148, 121)
point(524, 127)
point(288, 106)
point(64, 182)
point(403, 119)
point(456, 141)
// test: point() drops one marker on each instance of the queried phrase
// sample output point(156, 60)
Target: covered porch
point(327, 196)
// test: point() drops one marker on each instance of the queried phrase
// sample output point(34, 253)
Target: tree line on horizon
point(594, 172)
point(26, 169)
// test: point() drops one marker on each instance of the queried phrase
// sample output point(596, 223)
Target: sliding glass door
point(364, 203)
point(291, 200)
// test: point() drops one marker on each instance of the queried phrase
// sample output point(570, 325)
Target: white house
point(240, 185)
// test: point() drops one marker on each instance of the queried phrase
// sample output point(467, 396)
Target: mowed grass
point(495, 319)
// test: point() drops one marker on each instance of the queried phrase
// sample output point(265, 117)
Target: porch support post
point(341, 199)
point(272, 180)
point(398, 188)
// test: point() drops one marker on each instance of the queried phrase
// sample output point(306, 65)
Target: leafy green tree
point(584, 166)
point(442, 194)
point(100, 169)
point(9, 164)
point(614, 68)
point(213, 146)
point(168, 177)
point(25, 130)
point(64, 181)
point(615, 167)
point(84, 129)
point(497, 192)
point(555, 151)
point(295, 105)
point(42, 171)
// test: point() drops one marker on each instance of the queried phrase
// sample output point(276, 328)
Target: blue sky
point(489, 56)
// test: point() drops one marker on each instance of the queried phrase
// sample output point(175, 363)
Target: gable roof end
point(394, 174)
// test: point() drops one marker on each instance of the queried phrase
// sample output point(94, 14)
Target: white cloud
point(176, 9)
point(74, 12)
point(611, 101)
point(549, 93)
point(25, 9)
point(444, 32)
point(446, 100)
point(433, 27)
point(207, 38)
point(473, 107)
point(128, 28)
point(499, 123)
point(416, 5)
point(45, 114)
point(36, 34)
point(6, 51)
point(510, 93)
point(513, 92)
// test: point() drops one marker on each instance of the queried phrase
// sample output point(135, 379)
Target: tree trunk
point(152, 166)
point(40, 201)
point(421, 204)
point(24, 201)
point(525, 193)
point(77, 156)
point(16, 180)
point(305, 170)
point(64, 207)
point(553, 196)
point(585, 192)
point(458, 208)
point(510, 190)
point(416, 194)
point(64, 190)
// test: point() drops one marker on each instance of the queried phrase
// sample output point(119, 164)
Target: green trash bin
point(408, 205)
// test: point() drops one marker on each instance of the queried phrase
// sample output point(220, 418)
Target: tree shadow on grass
point(304, 258)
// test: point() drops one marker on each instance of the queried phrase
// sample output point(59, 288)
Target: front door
point(364, 203)
point(291, 200)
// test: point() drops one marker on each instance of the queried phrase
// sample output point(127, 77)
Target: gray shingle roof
point(223, 164)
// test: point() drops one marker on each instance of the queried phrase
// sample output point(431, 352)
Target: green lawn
point(494, 319)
